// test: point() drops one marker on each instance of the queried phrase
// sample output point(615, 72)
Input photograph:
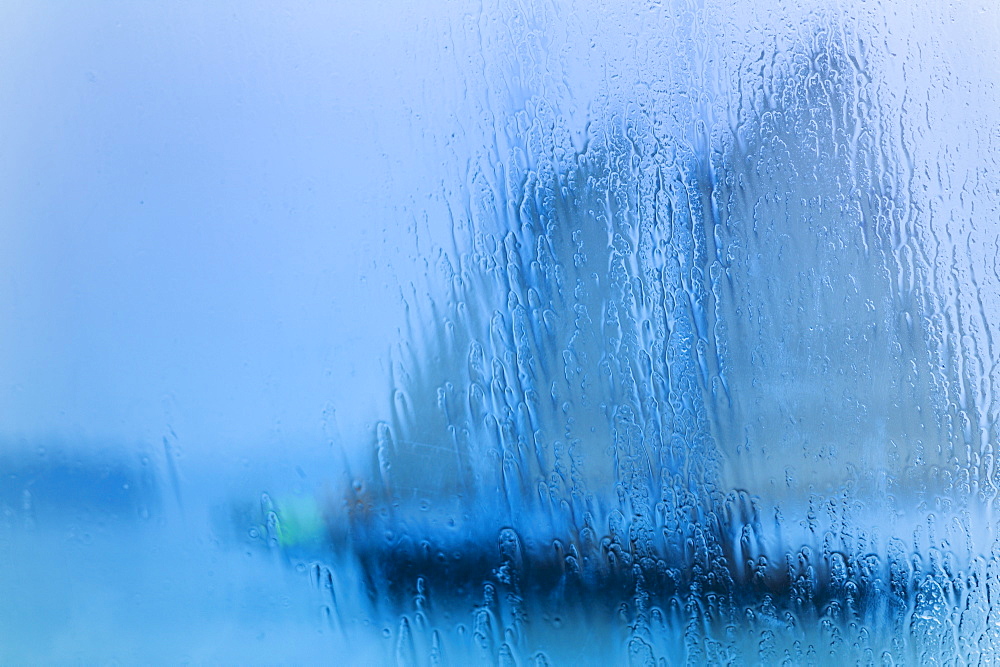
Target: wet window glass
point(507, 333)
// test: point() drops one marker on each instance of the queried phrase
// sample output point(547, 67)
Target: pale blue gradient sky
point(205, 215)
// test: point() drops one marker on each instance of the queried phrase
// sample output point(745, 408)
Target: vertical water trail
point(695, 375)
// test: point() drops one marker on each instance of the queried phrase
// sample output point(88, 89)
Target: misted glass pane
point(507, 333)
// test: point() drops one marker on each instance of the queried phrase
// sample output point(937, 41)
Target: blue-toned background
point(203, 221)
point(543, 332)
point(201, 207)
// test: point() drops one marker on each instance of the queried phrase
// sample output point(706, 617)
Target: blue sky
point(204, 216)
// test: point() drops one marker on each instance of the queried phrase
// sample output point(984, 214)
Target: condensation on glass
point(698, 366)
